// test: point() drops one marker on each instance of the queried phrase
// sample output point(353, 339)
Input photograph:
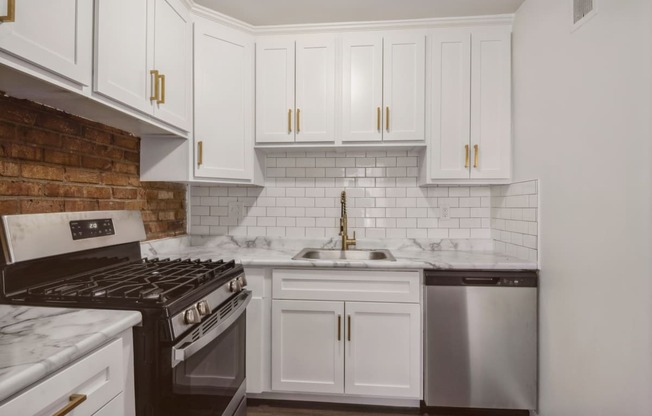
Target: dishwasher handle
point(480, 281)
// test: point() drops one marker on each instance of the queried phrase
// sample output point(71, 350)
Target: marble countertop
point(36, 342)
point(266, 252)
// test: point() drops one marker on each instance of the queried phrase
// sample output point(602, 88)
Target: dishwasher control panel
point(502, 278)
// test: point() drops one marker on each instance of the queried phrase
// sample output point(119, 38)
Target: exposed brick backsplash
point(51, 161)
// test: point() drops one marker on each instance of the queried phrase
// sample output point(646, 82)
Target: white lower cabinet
point(307, 346)
point(383, 347)
point(99, 382)
point(258, 330)
point(359, 346)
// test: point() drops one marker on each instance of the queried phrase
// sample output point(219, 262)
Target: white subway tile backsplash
point(301, 199)
point(514, 221)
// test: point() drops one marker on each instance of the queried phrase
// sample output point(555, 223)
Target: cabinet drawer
point(346, 285)
point(99, 376)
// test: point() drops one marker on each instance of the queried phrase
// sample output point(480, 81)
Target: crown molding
point(430, 23)
point(202, 11)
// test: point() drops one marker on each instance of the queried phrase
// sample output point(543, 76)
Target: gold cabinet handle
point(348, 327)
point(378, 118)
point(200, 153)
point(155, 85)
point(11, 12)
point(477, 153)
point(73, 401)
point(162, 80)
point(339, 327)
point(466, 159)
point(290, 121)
point(387, 118)
point(298, 121)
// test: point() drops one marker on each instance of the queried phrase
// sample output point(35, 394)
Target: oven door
point(208, 365)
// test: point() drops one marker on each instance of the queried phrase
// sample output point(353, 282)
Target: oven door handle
point(180, 354)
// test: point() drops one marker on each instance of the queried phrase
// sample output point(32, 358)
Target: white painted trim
point(495, 20)
point(205, 12)
point(330, 398)
point(490, 20)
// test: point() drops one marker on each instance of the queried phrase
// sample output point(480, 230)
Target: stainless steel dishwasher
point(481, 339)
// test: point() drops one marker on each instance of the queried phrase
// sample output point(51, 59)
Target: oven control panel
point(82, 229)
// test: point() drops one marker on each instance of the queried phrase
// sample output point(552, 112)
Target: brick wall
point(51, 161)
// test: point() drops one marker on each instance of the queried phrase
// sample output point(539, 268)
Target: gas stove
point(192, 309)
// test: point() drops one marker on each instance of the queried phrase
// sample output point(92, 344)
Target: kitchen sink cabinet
point(367, 343)
point(470, 106)
point(383, 84)
point(54, 35)
point(295, 89)
point(101, 383)
point(143, 57)
point(383, 347)
point(307, 346)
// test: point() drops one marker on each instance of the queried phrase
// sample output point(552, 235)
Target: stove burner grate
point(144, 281)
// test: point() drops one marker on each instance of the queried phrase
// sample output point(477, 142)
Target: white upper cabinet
point(404, 78)
point(383, 87)
point(55, 35)
point(275, 91)
point(469, 90)
point(491, 104)
point(172, 59)
point(143, 57)
point(123, 49)
point(450, 92)
point(295, 89)
point(362, 88)
point(224, 99)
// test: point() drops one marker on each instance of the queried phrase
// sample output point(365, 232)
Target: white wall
point(583, 105)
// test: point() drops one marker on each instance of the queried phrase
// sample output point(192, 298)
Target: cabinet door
point(315, 89)
point(307, 346)
point(404, 87)
point(172, 57)
point(450, 110)
point(223, 102)
point(275, 91)
point(491, 104)
point(383, 351)
point(124, 49)
point(54, 34)
point(362, 88)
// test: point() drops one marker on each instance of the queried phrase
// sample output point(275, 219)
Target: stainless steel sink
point(353, 255)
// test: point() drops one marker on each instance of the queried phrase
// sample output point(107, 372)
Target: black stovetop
point(152, 281)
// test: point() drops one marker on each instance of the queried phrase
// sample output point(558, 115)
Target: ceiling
point(283, 12)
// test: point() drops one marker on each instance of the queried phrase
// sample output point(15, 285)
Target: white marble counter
point(36, 342)
point(409, 254)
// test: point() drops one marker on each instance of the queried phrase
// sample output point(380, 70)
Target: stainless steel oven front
point(206, 368)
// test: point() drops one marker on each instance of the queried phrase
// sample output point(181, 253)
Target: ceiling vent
point(582, 10)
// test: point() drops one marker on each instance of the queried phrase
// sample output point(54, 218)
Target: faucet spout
point(346, 241)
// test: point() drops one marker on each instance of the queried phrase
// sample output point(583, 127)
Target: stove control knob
point(203, 308)
point(243, 280)
point(235, 286)
point(191, 316)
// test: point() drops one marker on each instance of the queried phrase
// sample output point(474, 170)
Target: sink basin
point(359, 255)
